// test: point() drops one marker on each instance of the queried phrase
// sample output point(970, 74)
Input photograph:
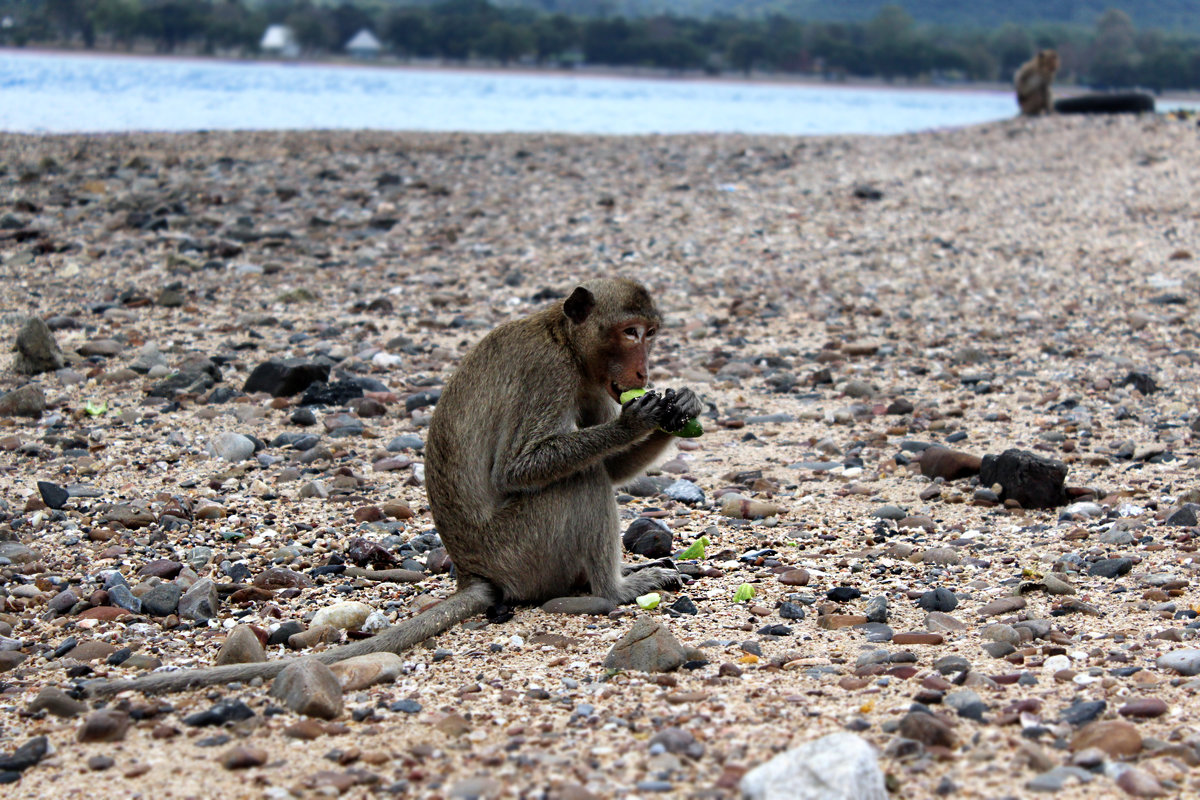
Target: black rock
point(26, 755)
point(1031, 480)
point(195, 376)
point(940, 599)
point(286, 377)
point(791, 611)
point(1141, 381)
point(973, 711)
point(842, 594)
point(406, 707)
point(752, 648)
point(66, 646)
point(683, 605)
point(648, 537)
point(1111, 567)
point(1083, 712)
point(337, 393)
point(303, 416)
point(118, 657)
point(222, 394)
point(281, 634)
point(424, 399)
point(53, 495)
point(775, 630)
point(230, 711)
point(866, 192)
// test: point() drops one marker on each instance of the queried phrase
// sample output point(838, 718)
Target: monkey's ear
point(579, 305)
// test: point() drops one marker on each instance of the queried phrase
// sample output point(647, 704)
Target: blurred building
point(364, 45)
point(279, 40)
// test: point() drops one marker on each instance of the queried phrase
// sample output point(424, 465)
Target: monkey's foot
point(648, 580)
point(630, 569)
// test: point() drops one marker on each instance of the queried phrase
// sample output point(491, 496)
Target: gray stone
point(648, 647)
point(1185, 516)
point(200, 602)
point(57, 702)
point(1185, 662)
point(162, 599)
point(889, 512)
point(876, 609)
point(840, 766)
point(1111, 567)
point(37, 352)
point(359, 672)
point(948, 665)
point(308, 687)
point(1056, 779)
point(684, 491)
point(148, 358)
point(26, 401)
point(241, 646)
point(120, 596)
point(231, 446)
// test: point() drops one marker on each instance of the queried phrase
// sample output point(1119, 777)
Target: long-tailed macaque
point(524, 449)
point(1033, 81)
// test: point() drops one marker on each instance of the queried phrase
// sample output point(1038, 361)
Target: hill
point(1174, 15)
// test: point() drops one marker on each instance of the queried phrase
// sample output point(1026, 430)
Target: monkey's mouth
point(615, 391)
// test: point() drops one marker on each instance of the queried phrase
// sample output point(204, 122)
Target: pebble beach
point(951, 446)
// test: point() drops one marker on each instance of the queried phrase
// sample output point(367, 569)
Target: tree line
point(891, 45)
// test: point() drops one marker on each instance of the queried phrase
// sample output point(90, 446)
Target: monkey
point(1033, 81)
point(525, 447)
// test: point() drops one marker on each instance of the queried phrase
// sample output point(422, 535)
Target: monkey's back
point(480, 420)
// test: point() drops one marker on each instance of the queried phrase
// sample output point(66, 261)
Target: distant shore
point(594, 71)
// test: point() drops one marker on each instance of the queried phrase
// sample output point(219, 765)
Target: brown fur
point(524, 449)
point(1033, 81)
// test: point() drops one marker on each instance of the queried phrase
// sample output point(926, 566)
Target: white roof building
point(364, 45)
point(279, 40)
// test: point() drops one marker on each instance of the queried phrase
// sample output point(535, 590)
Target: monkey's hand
point(679, 407)
point(643, 413)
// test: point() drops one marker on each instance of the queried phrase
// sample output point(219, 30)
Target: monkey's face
point(627, 354)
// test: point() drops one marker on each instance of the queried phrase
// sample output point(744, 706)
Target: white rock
point(344, 616)
point(386, 360)
point(840, 766)
point(1055, 663)
point(375, 622)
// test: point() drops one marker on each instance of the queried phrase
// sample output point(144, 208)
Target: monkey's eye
point(633, 333)
point(650, 334)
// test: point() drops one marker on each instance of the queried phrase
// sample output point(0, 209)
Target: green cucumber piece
point(690, 430)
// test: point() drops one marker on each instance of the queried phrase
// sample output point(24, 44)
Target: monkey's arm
point(677, 408)
point(630, 463)
point(545, 454)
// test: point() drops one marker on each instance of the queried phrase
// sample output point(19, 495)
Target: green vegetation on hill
point(1175, 15)
point(892, 43)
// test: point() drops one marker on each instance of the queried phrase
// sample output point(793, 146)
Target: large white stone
point(840, 766)
point(345, 616)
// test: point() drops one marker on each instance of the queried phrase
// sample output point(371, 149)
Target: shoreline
point(600, 71)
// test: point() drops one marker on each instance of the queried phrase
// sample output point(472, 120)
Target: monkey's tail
point(466, 602)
